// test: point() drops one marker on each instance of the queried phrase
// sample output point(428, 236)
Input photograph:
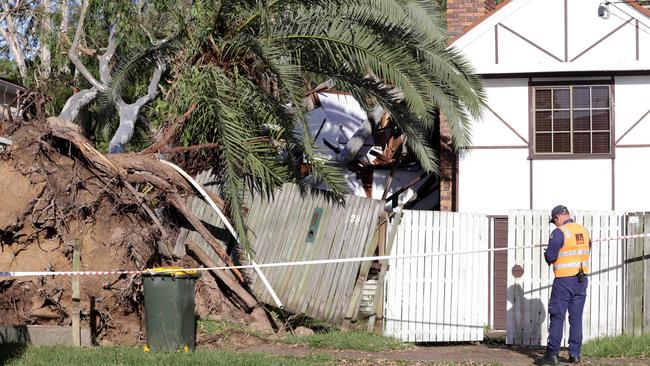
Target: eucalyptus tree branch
point(152, 90)
point(105, 59)
point(76, 103)
point(129, 113)
point(80, 48)
point(72, 52)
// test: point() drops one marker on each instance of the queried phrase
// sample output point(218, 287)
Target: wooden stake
point(76, 305)
point(388, 246)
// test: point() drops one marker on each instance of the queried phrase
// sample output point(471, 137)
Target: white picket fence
point(442, 298)
point(528, 295)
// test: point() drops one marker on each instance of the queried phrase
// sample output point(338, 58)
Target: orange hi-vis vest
point(574, 253)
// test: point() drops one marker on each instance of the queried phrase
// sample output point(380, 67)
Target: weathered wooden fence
point(441, 298)
point(299, 224)
point(530, 278)
point(637, 275)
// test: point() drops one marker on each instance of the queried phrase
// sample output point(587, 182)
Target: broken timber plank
point(355, 299)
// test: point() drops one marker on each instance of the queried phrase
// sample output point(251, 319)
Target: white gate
point(441, 298)
point(529, 284)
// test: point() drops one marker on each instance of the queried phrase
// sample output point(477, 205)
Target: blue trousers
point(567, 294)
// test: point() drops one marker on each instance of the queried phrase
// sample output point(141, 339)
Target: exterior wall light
point(603, 10)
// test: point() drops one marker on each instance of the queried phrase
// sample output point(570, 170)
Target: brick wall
point(463, 13)
point(448, 169)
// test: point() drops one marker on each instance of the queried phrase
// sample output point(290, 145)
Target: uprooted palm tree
point(247, 64)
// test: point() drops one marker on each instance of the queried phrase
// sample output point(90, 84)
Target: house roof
point(10, 86)
point(633, 3)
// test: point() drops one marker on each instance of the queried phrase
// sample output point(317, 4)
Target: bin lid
point(170, 271)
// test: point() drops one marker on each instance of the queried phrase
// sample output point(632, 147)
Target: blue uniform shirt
point(555, 243)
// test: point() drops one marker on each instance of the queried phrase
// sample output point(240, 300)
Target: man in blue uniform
point(568, 251)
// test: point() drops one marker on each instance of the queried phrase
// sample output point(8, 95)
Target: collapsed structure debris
point(371, 148)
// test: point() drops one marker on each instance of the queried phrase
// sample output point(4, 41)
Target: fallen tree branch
point(163, 245)
point(180, 149)
point(169, 134)
point(247, 300)
point(181, 206)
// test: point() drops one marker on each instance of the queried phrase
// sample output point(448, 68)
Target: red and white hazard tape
point(298, 263)
point(68, 273)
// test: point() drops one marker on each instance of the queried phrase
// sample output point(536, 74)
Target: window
point(572, 120)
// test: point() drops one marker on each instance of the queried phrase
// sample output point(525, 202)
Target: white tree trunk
point(46, 30)
point(76, 103)
point(9, 33)
point(65, 17)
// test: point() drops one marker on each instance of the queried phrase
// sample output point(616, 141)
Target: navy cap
point(558, 210)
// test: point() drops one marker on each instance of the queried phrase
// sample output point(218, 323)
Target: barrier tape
point(292, 264)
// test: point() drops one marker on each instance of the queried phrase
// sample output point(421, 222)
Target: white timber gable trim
point(537, 36)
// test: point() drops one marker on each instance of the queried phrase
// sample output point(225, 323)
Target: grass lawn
point(619, 346)
point(352, 340)
point(16, 355)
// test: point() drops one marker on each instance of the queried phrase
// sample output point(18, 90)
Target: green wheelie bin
point(169, 309)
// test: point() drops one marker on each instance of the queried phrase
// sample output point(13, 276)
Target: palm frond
point(363, 52)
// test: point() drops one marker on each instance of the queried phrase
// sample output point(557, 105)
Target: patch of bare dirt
point(232, 339)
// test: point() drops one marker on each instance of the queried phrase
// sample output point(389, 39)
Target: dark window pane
point(581, 97)
point(561, 121)
point(581, 121)
point(582, 143)
point(561, 142)
point(600, 97)
point(542, 121)
point(600, 142)
point(543, 99)
point(600, 119)
point(561, 99)
point(543, 143)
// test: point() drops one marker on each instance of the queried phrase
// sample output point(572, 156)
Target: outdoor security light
point(603, 11)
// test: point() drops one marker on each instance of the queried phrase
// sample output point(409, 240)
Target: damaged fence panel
point(298, 224)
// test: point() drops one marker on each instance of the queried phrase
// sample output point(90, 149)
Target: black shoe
point(548, 359)
point(574, 359)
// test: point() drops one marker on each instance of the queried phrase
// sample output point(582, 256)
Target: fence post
point(634, 277)
point(645, 227)
point(388, 247)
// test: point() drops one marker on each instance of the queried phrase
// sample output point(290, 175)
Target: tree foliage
point(247, 65)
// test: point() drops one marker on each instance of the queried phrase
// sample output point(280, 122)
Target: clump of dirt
point(55, 194)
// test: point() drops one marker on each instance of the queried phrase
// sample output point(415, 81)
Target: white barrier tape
point(298, 263)
point(223, 218)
